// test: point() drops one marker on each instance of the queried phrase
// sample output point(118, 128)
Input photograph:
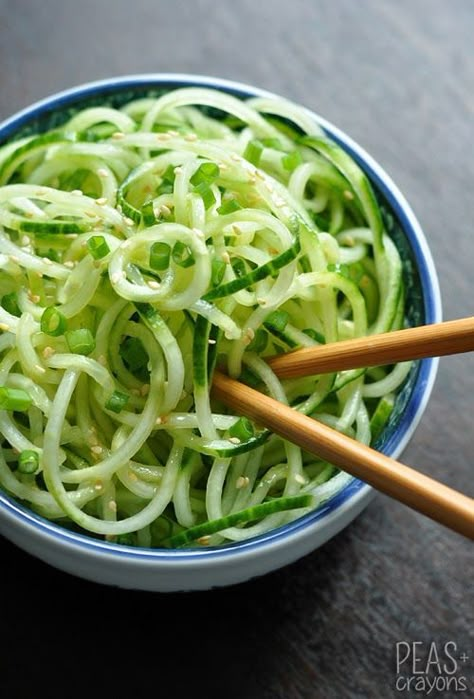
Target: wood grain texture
point(399, 78)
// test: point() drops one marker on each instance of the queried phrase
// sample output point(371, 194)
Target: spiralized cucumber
point(140, 248)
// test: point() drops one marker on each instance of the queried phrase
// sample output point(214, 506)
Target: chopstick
point(423, 494)
point(435, 340)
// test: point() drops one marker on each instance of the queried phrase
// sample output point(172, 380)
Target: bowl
point(193, 569)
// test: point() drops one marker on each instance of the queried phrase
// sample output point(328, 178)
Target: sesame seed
point(203, 540)
point(211, 341)
point(116, 277)
point(236, 230)
point(48, 352)
point(225, 257)
point(173, 133)
point(163, 137)
point(153, 284)
point(261, 301)
point(128, 221)
point(118, 135)
point(300, 479)
point(348, 195)
point(165, 210)
point(279, 202)
point(242, 482)
point(250, 333)
point(14, 258)
point(101, 201)
point(40, 368)
point(102, 172)
point(102, 360)
point(97, 449)
point(158, 421)
point(112, 505)
point(190, 137)
point(223, 166)
point(77, 192)
point(132, 476)
point(4, 326)
point(98, 485)
point(70, 264)
point(178, 170)
point(35, 298)
point(235, 157)
point(234, 440)
point(25, 240)
point(349, 241)
point(71, 236)
point(47, 261)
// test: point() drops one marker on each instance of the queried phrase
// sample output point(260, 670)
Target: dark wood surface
point(398, 77)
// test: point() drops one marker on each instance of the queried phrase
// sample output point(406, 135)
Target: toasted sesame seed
point(204, 540)
point(236, 230)
point(261, 301)
point(118, 135)
point(165, 210)
point(47, 261)
point(48, 352)
point(116, 277)
point(4, 326)
point(158, 421)
point(300, 479)
point(234, 440)
point(163, 137)
point(223, 166)
point(25, 240)
point(190, 137)
point(112, 505)
point(250, 332)
point(35, 298)
point(128, 221)
point(153, 284)
point(97, 449)
point(101, 201)
point(77, 192)
point(40, 368)
point(132, 476)
point(70, 264)
point(348, 195)
point(225, 257)
point(173, 133)
point(211, 341)
point(102, 172)
point(178, 170)
point(98, 485)
point(242, 482)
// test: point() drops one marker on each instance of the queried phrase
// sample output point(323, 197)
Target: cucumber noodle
point(164, 238)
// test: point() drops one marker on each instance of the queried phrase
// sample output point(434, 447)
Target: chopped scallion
point(206, 194)
point(290, 161)
point(228, 207)
point(217, 271)
point(253, 152)
point(28, 461)
point(206, 172)
point(97, 246)
point(80, 341)
point(14, 399)
point(53, 322)
point(10, 304)
point(242, 429)
point(182, 255)
point(117, 401)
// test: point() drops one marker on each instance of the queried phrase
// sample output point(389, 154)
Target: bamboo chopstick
point(421, 493)
point(435, 340)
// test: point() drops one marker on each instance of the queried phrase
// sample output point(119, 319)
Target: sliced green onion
point(14, 399)
point(117, 401)
point(242, 429)
point(160, 256)
point(28, 461)
point(53, 322)
point(80, 341)
point(339, 269)
point(217, 271)
point(182, 255)
point(97, 246)
point(148, 214)
point(228, 207)
point(206, 194)
point(253, 152)
point(207, 172)
point(290, 161)
point(10, 304)
point(277, 320)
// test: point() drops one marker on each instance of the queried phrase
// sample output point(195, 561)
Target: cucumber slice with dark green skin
point(250, 514)
point(32, 147)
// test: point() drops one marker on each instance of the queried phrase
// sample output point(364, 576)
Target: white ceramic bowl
point(192, 569)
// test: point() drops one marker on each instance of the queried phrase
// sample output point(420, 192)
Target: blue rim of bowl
point(356, 490)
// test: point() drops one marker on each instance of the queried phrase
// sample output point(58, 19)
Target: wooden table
point(399, 77)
